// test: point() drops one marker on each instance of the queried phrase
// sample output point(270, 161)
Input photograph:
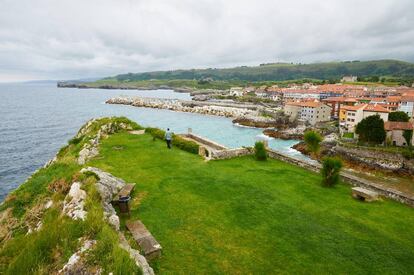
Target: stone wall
point(205, 141)
point(315, 167)
point(231, 153)
point(375, 159)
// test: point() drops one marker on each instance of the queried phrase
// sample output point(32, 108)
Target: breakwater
point(230, 110)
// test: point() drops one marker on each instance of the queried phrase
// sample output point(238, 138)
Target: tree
point(408, 136)
point(371, 129)
point(260, 151)
point(398, 116)
point(330, 171)
point(312, 140)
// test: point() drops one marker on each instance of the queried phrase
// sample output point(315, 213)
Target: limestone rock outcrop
point(74, 203)
point(76, 264)
point(108, 186)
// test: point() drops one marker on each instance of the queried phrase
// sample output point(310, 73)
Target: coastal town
point(345, 104)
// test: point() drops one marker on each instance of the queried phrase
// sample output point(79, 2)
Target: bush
point(312, 140)
point(331, 167)
point(185, 145)
point(155, 132)
point(260, 151)
point(398, 116)
point(75, 140)
point(371, 130)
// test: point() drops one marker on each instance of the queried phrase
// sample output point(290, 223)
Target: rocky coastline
point(286, 134)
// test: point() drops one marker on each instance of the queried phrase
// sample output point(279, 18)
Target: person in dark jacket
point(168, 138)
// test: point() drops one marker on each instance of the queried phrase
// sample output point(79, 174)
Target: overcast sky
point(60, 39)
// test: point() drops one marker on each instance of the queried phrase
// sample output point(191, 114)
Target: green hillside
point(284, 71)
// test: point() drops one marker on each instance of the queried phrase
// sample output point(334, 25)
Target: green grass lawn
point(243, 216)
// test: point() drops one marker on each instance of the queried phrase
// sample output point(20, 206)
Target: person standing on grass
point(168, 138)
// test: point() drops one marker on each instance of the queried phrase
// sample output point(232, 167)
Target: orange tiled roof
point(340, 99)
point(353, 108)
point(393, 98)
point(375, 108)
point(397, 125)
point(408, 98)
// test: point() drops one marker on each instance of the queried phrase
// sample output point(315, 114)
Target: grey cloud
point(48, 39)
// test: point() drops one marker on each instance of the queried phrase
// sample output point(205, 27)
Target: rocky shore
point(286, 134)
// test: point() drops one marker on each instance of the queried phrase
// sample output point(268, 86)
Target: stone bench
point(124, 192)
point(149, 246)
point(364, 194)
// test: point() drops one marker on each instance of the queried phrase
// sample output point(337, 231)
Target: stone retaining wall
point(315, 167)
point(231, 153)
point(205, 141)
point(386, 192)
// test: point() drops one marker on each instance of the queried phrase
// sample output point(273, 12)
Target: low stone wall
point(231, 153)
point(205, 141)
point(386, 192)
point(315, 167)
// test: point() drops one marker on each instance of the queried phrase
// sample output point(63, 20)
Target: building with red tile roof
point(395, 132)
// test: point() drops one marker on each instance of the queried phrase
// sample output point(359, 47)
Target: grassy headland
point(229, 216)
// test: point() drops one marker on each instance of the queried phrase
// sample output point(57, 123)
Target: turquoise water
point(38, 119)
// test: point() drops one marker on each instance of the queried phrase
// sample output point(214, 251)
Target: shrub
point(312, 140)
point(185, 145)
point(75, 140)
point(260, 151)
point(408, 136)
point(331, 167)
point(155, 132)
point(371, 129)
point(398, 116)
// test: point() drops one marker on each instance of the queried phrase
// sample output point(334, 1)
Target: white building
point(407, 105)
point(350, 78)
point(354, 114)
point(301, 95)
point(311, 112)
point(236, 91)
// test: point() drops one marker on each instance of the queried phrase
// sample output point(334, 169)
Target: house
point(236, 91)
point(407, 105)
point(393, 103)
point(261, 91)
point(300, 94)
point(395, 130)
point(310, 111)
point(336, 102)
point(350, 78)
point(352, 115)
point(249, 89)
